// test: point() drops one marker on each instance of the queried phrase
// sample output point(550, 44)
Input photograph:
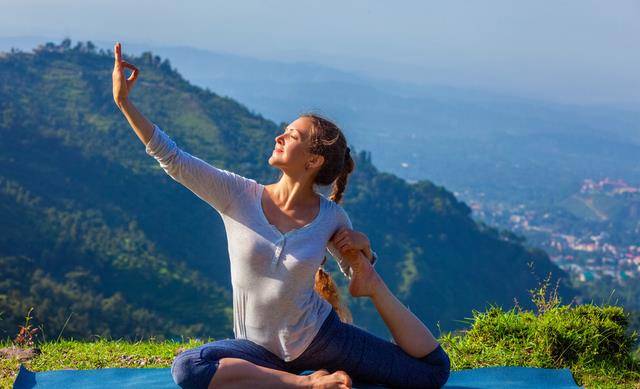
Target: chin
point(271, 162)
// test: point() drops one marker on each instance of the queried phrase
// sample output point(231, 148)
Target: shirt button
point(279, 248)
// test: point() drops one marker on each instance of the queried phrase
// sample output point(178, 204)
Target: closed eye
point(290, 130)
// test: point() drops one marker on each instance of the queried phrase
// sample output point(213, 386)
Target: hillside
point(617, 214)
point(102, 242)
point(510, 144)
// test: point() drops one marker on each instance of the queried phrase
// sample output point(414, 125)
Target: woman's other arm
point(348, 239)
point(345, 222)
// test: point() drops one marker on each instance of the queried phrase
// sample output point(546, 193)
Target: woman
point(277, 236)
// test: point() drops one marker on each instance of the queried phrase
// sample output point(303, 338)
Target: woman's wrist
point(124, 105)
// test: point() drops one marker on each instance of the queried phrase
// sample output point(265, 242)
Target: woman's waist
point(273, 294)
point(277, 311)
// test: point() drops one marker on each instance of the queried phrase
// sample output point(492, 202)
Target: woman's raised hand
point(121, 85)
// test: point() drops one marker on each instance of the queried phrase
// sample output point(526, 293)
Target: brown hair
point(328, 140)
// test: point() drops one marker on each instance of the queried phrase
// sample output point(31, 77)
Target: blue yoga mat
point(485, 377)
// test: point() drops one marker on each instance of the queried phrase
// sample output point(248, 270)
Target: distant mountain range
point(508, 148)
point(101, 241)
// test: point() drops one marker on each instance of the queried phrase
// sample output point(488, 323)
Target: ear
point(315, 161)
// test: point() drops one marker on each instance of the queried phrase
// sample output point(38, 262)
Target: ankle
point(305, 382)
point(379, 286)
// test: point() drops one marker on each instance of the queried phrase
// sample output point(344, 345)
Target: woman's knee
point(181, 369)
point(439, 365)
point(190, 371)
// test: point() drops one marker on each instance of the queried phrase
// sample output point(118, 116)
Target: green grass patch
point(73, 354)
point(594, 342)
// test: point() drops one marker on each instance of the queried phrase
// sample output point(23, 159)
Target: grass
point(589, 340)
point(74, 354)
point(592, 341)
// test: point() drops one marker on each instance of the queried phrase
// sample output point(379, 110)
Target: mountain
point(506, 148)
point(510, 148)
point(102, 242)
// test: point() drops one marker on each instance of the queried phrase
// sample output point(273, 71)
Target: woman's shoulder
point(253, 186)
point(338, 214)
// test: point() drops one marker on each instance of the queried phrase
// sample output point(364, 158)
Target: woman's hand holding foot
point(348, 239)
point(365, 281)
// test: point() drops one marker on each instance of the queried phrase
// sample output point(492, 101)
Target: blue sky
point(570, 51)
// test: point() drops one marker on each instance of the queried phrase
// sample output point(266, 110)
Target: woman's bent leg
point(195, 368)
point(368, 358)
point(408, 331)
point(234, 373)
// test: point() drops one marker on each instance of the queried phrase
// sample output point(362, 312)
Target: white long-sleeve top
point(272, 274)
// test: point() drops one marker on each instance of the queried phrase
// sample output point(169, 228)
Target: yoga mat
point(485, 377)
point(511, 377)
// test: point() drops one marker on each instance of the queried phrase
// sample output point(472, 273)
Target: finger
point(135, 72)
point(129, 65)
point(117, 53)
point(345, 246)
point(339, 233)
point(132, 80)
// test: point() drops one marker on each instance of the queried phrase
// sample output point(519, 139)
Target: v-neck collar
point(261, 189)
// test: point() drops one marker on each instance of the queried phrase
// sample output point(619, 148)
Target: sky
point(585, 52)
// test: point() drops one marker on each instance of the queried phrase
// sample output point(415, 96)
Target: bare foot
point(365, 280)
point(321, 379)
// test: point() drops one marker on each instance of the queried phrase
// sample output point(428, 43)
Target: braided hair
point(328, 140)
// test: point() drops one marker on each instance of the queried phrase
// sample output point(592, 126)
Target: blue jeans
point(365, 357)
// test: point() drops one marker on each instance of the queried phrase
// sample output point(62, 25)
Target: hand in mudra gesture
point(121, 85)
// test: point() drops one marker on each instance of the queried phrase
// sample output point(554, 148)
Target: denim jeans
point(365, 357)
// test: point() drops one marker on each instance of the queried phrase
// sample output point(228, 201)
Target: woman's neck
point(290, 194)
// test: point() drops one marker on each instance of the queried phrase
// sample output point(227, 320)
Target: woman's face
point(291, 149)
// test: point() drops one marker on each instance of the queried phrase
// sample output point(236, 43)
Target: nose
point(279, 138)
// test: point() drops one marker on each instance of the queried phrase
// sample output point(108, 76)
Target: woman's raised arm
point(218, 187)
